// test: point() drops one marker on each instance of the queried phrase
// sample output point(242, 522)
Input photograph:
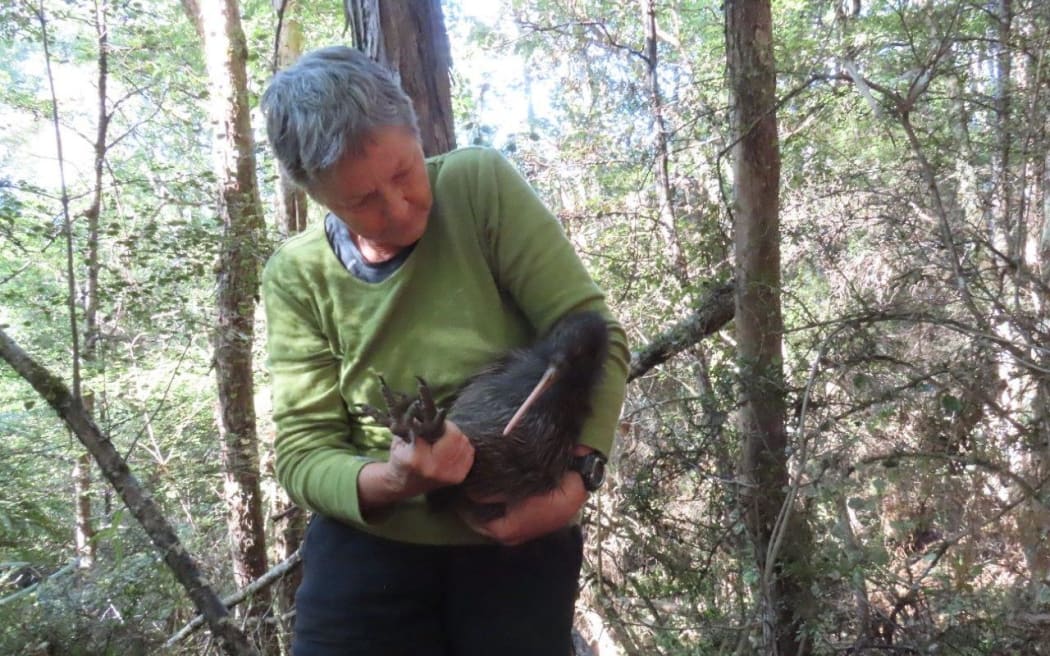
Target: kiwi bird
point(523, 414)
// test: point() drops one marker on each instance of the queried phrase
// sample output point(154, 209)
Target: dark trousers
point(363, 595)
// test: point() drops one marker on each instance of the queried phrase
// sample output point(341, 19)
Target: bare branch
point(68, 224)
point(715, 311)
point(269, 578)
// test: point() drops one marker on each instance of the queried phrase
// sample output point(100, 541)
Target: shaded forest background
point(915, 278)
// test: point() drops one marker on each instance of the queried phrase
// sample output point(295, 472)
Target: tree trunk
point(85, 530)
point(238, 283)
point(289, 522)
point(1044, 238)
point(409, 37)
point(759, 327)
point(290, 203)
point(1035, 520)
point(665, 193)
point(290, 206)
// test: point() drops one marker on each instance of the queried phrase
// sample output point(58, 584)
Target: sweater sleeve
point(536, 264)
point(315, 460)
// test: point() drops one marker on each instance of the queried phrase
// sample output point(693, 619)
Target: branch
point(1029, 491)
point(264, 581)
point(138, 501)
point(68, 225)
point(193, 12)
point(607, 37)
point(715, 311)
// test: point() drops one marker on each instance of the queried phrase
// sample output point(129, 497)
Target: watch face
point(597, 473)
point(592, 470)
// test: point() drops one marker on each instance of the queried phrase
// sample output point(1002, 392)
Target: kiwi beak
point(546, 380)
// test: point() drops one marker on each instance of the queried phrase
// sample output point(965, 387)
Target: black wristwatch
point(591, 468)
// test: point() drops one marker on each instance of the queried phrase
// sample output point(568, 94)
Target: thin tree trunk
point(759, 326)
point(290, 203)
point(1004, 133)
point(1044, 239)
point(713, 313)
point(665, 193)
point(289, 529)
point(85, 530)
point(855, 556)
point(289, 522)
point(1036, 519)
point(238, 283)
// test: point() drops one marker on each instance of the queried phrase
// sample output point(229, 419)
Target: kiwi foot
point(408, 417)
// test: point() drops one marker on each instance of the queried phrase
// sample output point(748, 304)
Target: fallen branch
point(264, 581)
point(138, 501)
point(715, 311)
point(32, 587)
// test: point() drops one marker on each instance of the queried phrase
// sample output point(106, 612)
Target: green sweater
point(492, 272)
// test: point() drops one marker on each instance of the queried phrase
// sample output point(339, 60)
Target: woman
point(429, 267)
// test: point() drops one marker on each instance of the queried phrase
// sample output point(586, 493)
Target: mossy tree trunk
point(240, 253)
point(759, 325)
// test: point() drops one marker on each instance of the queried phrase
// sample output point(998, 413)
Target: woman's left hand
point(538, 515)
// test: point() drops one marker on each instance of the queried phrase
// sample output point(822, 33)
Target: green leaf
point(951, 404)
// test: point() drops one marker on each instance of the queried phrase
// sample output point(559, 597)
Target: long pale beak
point(546, 380)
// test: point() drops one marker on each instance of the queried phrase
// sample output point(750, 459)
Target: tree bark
point(83, 527)
point(759, 326)
point(665, 192)
point(290, 203)
point(715, 311)
point(85, 530)
point(1005, 240)
point(291, 210)
point(138, 501)
point(238, 283)
point(409, 37)
point(1036, 518)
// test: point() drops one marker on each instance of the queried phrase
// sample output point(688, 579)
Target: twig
point(277, 572)
point(68, 225)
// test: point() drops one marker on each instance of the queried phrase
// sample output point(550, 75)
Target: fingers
point(536, 515)
point(425, 466)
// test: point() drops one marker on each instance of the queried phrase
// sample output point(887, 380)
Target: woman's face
point(383, 195)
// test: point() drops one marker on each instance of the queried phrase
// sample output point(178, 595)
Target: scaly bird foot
point(408, 417)
point(427, 421)
point(398, 416)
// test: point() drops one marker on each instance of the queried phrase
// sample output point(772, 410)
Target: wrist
point(380, 484)
point(397, 482)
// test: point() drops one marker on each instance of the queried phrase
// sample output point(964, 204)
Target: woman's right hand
point(418, 467)
point(415, 468)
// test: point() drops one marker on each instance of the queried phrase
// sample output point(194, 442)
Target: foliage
point(915, 266)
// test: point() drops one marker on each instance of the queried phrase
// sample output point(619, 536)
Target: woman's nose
point(395, 204)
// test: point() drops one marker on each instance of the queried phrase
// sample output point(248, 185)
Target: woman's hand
point(419, 467)
point(415, 468)
point(538, 515)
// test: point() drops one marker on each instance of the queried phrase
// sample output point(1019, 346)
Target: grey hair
point(326, 106)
